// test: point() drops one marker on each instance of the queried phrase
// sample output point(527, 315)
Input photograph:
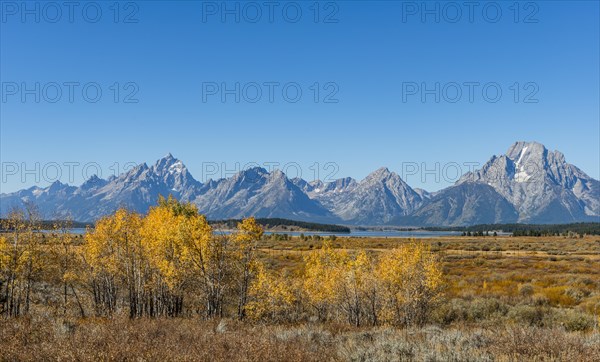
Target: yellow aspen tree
point(66, 261)
point(209, 261)
point(244, 242)
point(14, 258)
point(411, 280)
point(186, 254)
point(369, 287)
point(356, 290)
point(7, 273)
point(200, 248)
point(34, 263)
point(323, 274)
point(165, 248)
point(112, 253)
point(213, 262)
point(270, 297)
point(22, 263)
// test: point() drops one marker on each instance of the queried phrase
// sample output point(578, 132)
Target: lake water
point(353, 233)
point(379, 234)
point(371, 234)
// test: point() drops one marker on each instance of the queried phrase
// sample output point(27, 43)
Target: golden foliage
point(149, 265)
point(397, 288)
point(411, 279)
point(271, 296)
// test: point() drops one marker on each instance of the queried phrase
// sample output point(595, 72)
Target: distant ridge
point(527, 184)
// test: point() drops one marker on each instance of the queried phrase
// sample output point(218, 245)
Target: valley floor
point(506, 299)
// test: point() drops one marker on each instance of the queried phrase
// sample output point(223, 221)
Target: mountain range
point(527, 184)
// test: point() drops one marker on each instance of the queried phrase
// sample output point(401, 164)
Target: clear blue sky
point(175, 48)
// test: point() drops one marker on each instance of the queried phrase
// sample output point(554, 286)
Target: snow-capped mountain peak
point(540, 184)
point(167, 164)
point(526, 184)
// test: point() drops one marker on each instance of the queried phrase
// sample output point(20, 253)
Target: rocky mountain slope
point(540, 184)
point(527, 184)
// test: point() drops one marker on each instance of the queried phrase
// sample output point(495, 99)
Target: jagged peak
point(93, 182)
point(252, 174)
point(57, 183)
point(166, 162)
point(255, 170)
point(380, 173)
point(520, 148)
point(94, 179)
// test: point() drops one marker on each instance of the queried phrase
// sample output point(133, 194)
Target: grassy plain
point(506, 299)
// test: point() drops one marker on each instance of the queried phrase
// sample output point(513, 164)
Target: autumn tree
point(188, 255)
point(205, 254)
point(21, 264)
point(33, 261)
point(163, 245)
point(244, 254)
point(357, 293)
point(211, 259)
point(399, 287)
point(12, 261)
point(271, 296)
point(66, 262)
point(337, 284)
point(411, 281)
point(114, 255)
point(323, 274)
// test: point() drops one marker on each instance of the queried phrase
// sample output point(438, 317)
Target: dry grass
point(148, 340)
point(193, 340)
